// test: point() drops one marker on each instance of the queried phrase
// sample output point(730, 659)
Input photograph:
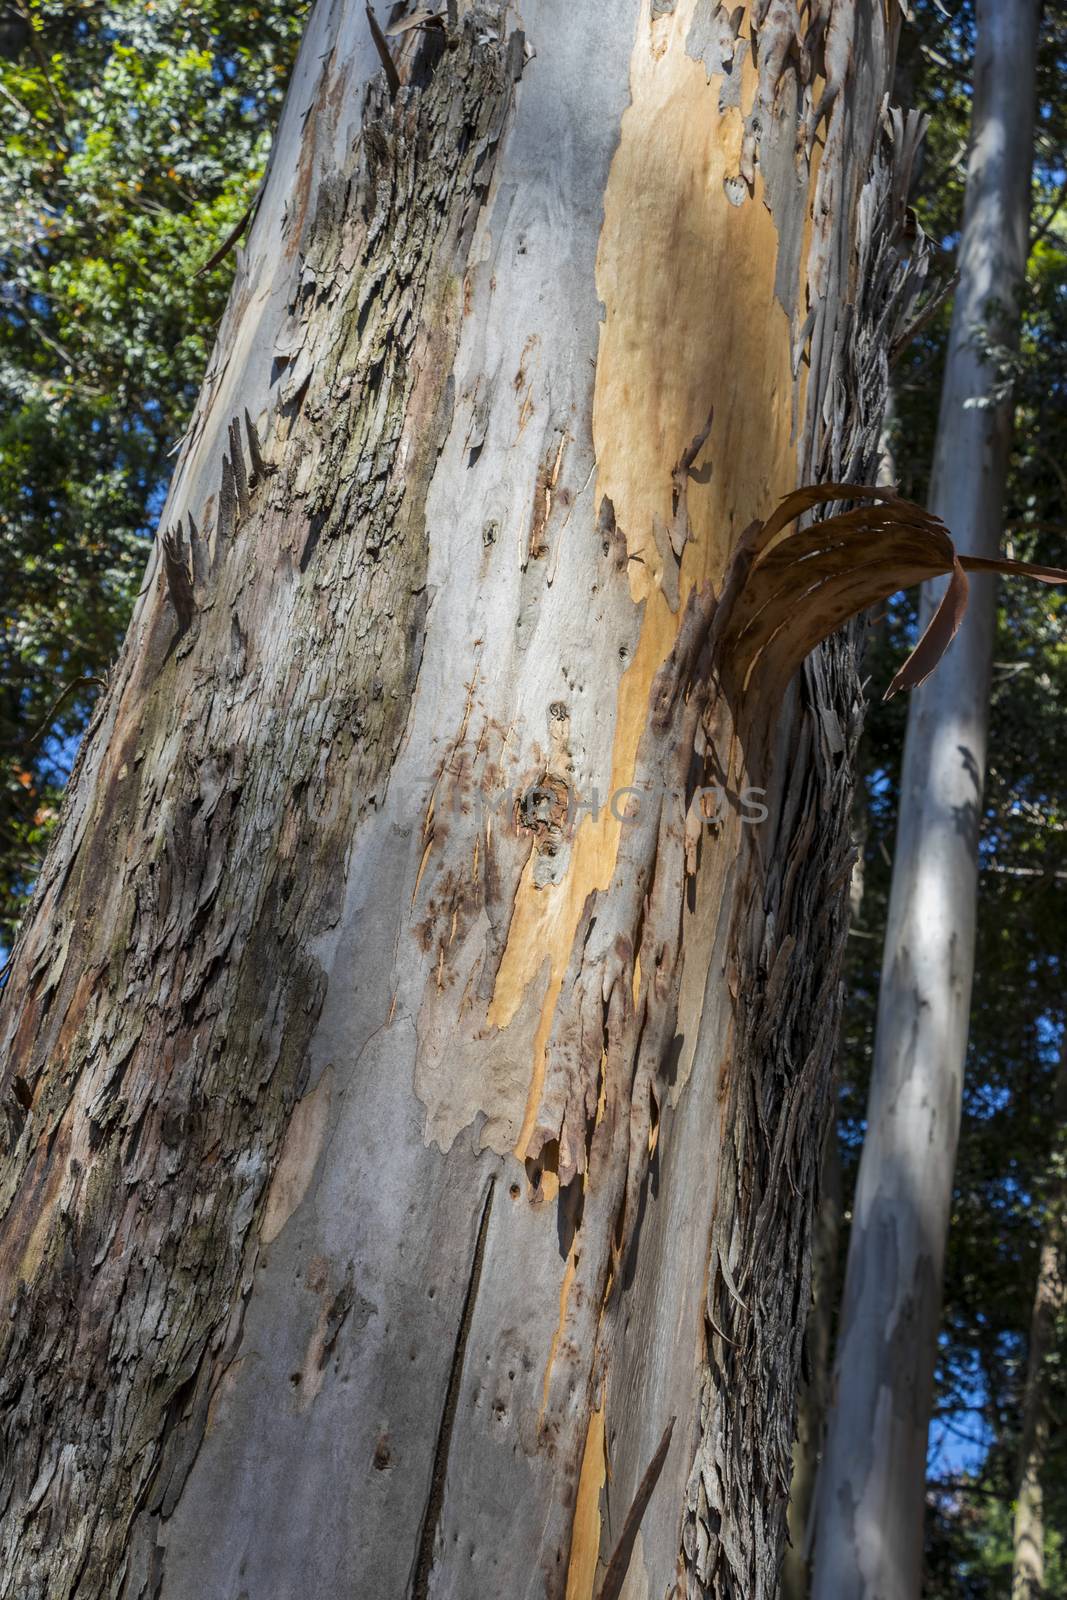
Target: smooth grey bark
point(871, 1492)
point(389, 1163)
point(1050, 1302)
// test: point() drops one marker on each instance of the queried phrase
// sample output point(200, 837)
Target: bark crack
point(420, 1584)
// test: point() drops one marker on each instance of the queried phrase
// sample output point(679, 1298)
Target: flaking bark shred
point(179, 578)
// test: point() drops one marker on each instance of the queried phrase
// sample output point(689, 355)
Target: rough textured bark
point(814, 1398)
point(1050, 1302)
point(871, 1493)
point(388, 1159)
point(813, 1404)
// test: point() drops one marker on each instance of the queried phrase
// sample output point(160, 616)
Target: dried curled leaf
point(800, 586)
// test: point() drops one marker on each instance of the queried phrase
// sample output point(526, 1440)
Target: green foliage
point(979, 1549)
point(135, 134)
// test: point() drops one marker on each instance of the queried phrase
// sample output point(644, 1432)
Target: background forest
point(135, 135)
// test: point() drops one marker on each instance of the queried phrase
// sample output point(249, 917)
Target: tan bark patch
point(585, 1539)
point(299, 1156)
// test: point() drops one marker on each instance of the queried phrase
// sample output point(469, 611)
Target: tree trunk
point(871, 1496)
point(1050, 1301)
point(394, 1161)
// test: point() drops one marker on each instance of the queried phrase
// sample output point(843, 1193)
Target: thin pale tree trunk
point(409, 1185)
point(1050, 1301)
point(871, 1495)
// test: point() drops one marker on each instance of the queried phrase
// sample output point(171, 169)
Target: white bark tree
point(872, 1489)
point(409, 1191)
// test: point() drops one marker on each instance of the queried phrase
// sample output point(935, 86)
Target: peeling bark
point(813, 1405)
point(402, 1129)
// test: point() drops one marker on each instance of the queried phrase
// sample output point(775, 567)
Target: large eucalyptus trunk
point(412, 1143)
point(872, 1489)
point(1050, 1302)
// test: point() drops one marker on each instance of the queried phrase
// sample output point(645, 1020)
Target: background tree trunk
point(1050, 1301)
point(871, 1497)
point(392, 1163)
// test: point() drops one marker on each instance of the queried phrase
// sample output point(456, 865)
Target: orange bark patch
point(674, 254)
point(585, 1536)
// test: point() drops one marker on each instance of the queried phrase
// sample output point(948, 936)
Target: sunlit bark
point(392, 1158)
